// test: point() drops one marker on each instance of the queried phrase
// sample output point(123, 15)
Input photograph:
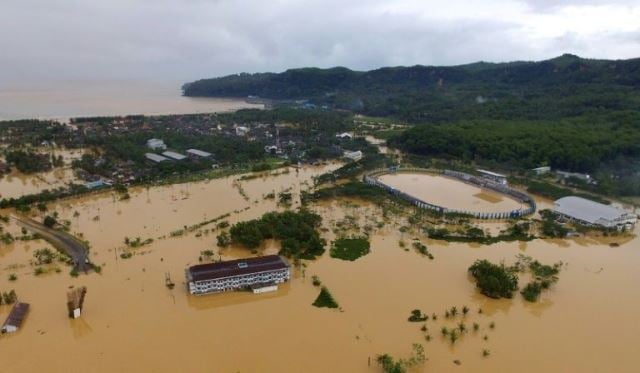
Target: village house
point(16, 317)
point(241, 131)
point(156, 144)
point(344, 136)
point(354, 156)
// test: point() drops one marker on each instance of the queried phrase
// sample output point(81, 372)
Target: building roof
point(352, 155)
point(174, 155)
point(17, 315)
point(199, 153)
point(491, 173)
point(155, 157)
point(236, 267)
point(96, 184)
point(541, 168)
point(588, 211)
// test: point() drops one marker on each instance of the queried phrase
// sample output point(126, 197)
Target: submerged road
point(62, 241)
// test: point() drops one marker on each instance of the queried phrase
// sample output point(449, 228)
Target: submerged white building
point(592, 213)
point(259, 274)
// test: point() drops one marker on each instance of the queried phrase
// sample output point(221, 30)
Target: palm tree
point(492, 325)
point(465, 310)
point(434, 316)
point(462, 327)
point(454, 311)
point(444, 330)
point(486, 352)
point(476, 327)
point(453, 336)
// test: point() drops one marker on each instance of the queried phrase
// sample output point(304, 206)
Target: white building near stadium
point(260, 274)
point(593, 213)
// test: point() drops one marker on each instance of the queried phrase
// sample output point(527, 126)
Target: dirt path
point(63, 241)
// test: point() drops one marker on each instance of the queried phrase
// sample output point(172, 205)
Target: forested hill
point(562, 87)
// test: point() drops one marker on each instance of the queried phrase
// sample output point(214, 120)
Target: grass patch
point(350, 248)
point(325, 299)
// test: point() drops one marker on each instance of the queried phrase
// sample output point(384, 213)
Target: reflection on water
point(539, 307)
point(213, 301)
point(80, 327)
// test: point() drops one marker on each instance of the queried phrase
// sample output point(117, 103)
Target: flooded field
point(447, 192)
point(587, 322)
point(16, 184)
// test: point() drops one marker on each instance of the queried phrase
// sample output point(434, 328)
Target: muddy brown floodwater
point(450, 193)
point(16, 184)
point(131, 322)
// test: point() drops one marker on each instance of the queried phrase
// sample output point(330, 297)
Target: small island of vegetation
point(350, 248)
point(325, 299)
point(296, 230)
point(494, 281)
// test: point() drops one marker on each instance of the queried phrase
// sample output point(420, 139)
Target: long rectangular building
point(593, 213)
point(237, 274)
point(16, 318)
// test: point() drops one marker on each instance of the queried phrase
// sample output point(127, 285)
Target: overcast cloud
point(189, 39)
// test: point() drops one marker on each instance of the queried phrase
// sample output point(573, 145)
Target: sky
point(183, 40)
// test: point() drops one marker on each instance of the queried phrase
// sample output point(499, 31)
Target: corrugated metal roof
point(586, 210)
point(174, 155)
point(155, 157)
point(17, 315)
point(237, 267)
point(491, 173)
point(199, 153)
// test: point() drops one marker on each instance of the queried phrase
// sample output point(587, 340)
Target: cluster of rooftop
point(168, 155)
point(258, 274)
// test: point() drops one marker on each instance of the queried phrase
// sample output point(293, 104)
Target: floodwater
point(587, 322)
point(447, 192)
point(67, 99)
point(16, 184)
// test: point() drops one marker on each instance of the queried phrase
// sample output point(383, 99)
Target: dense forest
point(562, 87)
point(569, 113)
point(578, 144)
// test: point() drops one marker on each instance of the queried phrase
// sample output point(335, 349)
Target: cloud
point(189, 39)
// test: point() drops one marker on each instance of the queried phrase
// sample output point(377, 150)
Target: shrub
point(223, 239)
point(325, 299)
point(315, 280)
point(49, 221)
point(532, 291)
point(350, 248)
point(417, 316)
